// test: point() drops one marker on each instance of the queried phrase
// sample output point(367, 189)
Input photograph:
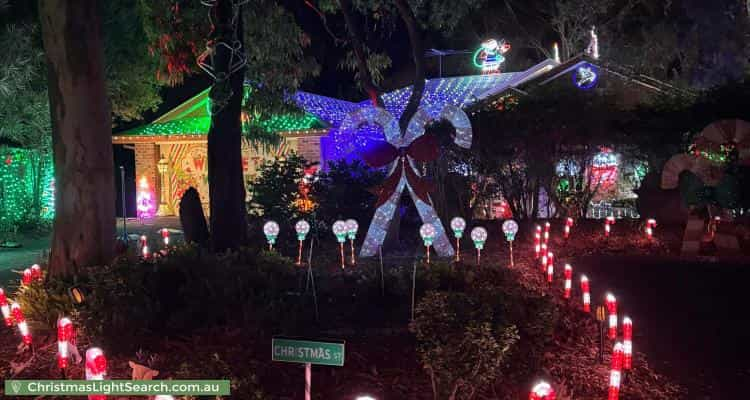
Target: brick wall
point(309, 148)
point(146, 157)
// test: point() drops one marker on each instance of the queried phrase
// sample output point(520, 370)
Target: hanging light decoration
point(615, 374)
point(586, 294)
point(458, 225)
point(341, 231)
point(302, 228)
point(428, 233)
point(612, 311)
point(542, 391)
point(271, 230)
point(351, 232)
point(5, 308)
point(479, 236)
point(65, 338)
point(627, 342)
point(20, 321)
point(568, 280)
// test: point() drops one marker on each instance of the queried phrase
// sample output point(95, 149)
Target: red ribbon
point(422, 149)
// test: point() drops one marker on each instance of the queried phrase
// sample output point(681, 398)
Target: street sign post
point(307, 352)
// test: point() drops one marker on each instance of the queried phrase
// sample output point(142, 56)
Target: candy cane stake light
point(510, 228)
point(26, 277)
point(650, 225)
point(458, 225)
point(566, 229)
point(568, 280)
point(164, 236)
point(144, 246)
point(341, 231)
point(351, 232)
point(615, 374)
point(65, 337)
point(608, 222)
point(627, 342)
point(586, 294)
point(537, 245)
point(302, 228)
point(5, 308)
point(96, 368)
point(479, 236)
point(612, 311)
point(36, 273)
point(428, 233)
point(542, 391)
point(550, 267)
point(546, 232)
point(543, 259)
point(20, 321)
point(271, 230)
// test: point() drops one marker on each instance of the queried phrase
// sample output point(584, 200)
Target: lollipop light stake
point(271, 230)
point(302, 227)
point(510, 228)
point(340, 231)
point(428, 233)
point(479, 236)
point(351, 232)
point(458, 225)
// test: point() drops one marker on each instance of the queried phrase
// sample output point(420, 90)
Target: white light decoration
point(593, 47)
point(489, 56)
point(555, 52)
point(542, 391)
point(271, 230)
point(340, 230)
point(302, 228)
point(458, 225)
point(479, 236)
point(510, 227)
point(351, 228)
point(403, 171)
point(428, 232)
point(586, 76)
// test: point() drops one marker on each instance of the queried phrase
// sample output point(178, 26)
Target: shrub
point(276, 188)
point(244, 386)
point(44, 302)
point(459, 343)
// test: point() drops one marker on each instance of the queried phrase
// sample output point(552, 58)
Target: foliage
point(244, 385)
point(45, 302)
point(186, 291)
point(276, 188)
point(343, 191)
point(459, 345)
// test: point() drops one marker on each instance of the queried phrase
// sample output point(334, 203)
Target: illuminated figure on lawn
point(146, 205)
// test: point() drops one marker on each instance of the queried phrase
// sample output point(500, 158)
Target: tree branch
point(417, 50)
point(373, 91)
point(323, 19)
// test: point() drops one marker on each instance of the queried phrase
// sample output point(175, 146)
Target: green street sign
point(307, 352)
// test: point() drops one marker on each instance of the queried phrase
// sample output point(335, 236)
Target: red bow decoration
point(422, 149)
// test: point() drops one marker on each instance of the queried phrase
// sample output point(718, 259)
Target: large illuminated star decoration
point(586, 76)
point(401, 154)
point(489, 56)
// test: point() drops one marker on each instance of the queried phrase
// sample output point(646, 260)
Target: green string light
point(200, 126)
point(17, 167)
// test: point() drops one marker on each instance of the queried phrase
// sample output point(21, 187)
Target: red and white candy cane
point(26, 278)
point(568, 280)
point(612, 311)
point(543, 259)
point(96, 368)
point(550, 266)
point(65, 338)
point(615, 374)
point(546, 232)
point(568, 225)
point(144, 246)
point(542, 391)
point(607, 225)
point(20, 321)
point(650, 225)
point(627, 342)
point(537, 245)
point(5, 308)
point(36, 272)
point(586, 293)
point(165, 236)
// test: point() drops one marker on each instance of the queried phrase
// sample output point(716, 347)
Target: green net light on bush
point(271, 230)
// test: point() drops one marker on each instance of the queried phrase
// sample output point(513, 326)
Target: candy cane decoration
point(612, 310)
point(26, 278)
point(144, 246)
point(586, 293)
point(36, 273)
point(627, 342)
point(615, 374)
point(550, 266)
point(537, 245)
point(568, 280)
point(650, 225)
point(607, 225)
point(5, 308)
point(546, 232)
point(542, 391)
point(543, 264)
point(568, 225)
point(65, 337)
point(165, 236)
point(96, 368)
point(20, 321)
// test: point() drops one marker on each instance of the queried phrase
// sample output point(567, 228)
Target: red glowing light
point(586, 293)
point(542, 391)
point(568, 280)
point(612, 310)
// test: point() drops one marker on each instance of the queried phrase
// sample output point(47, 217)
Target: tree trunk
point(84, 226)
point(225, 180)
point(417, 51)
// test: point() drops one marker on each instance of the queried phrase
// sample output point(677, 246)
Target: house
point(176, 141)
